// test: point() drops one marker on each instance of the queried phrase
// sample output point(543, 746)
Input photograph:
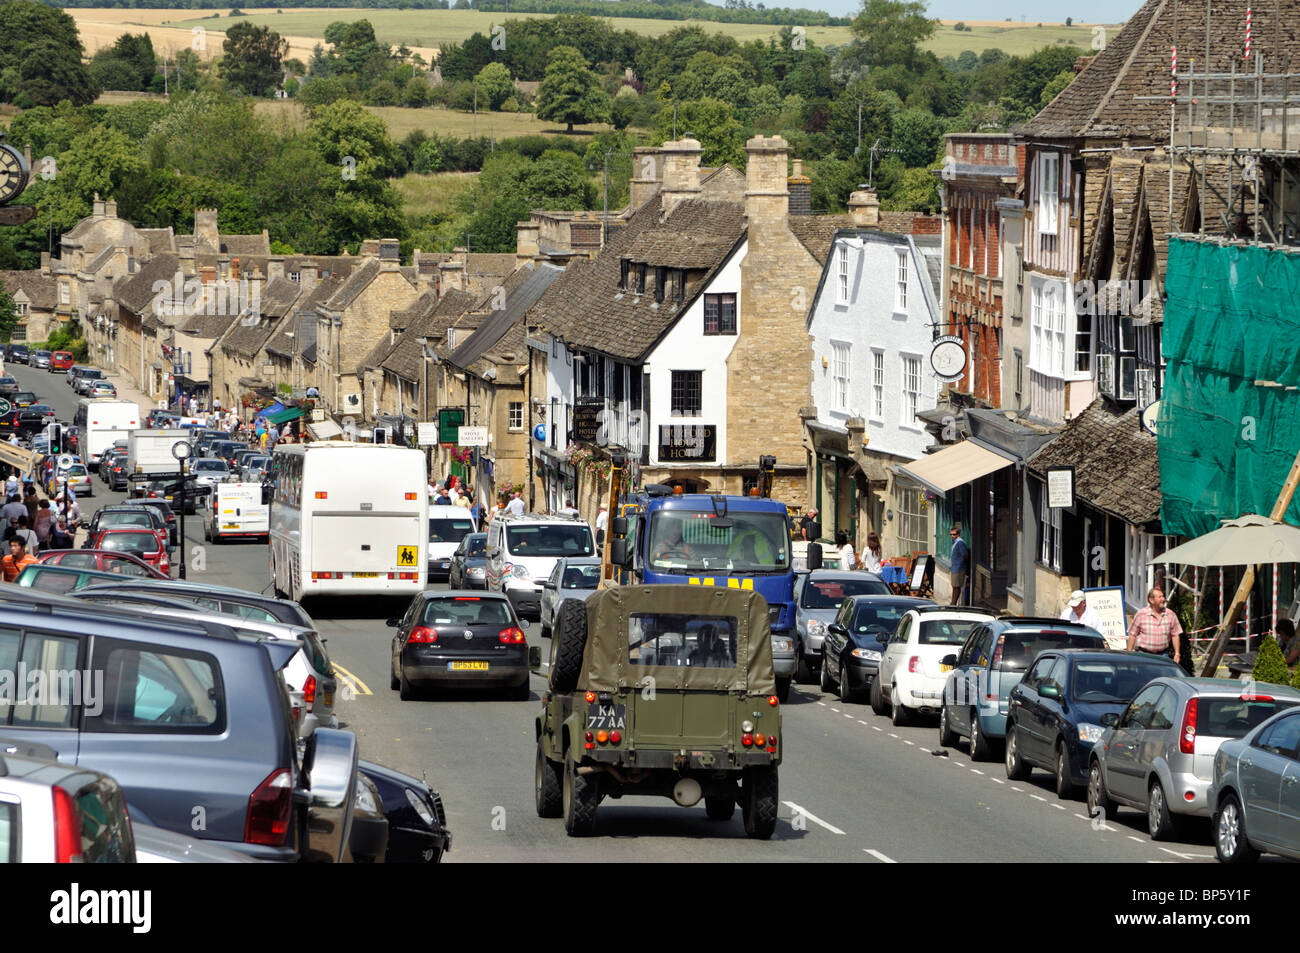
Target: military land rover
point(661, 690)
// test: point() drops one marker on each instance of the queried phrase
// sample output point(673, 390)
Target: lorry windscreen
point(681, 542)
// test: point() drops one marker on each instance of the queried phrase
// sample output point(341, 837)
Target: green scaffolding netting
point(1232, 319)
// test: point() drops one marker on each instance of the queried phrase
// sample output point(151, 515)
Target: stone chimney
point(647, 170)
point(234, 268)
point(45, 263)
point(369, 248)
point(864, 207)
point(800, 187)
point(527, 239)
point(767, 200)
point(97, 207)
point(390, 254)
point(308, 275)
point(206, 236)
point(110, 208)
point(451, 274)
point(274, 267)
point(681, 172)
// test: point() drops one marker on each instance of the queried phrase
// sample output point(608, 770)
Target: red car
point(101, 560)
point(144, 544)
point(61, 361)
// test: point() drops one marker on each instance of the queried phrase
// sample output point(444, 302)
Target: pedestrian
point(60, 536)
point(958, 565)
point(464, 500)
point(442, 499)
point(873, 555)
point(848, 559)
point(11, 485)
point(14, 508)
point(569, 510)
point(602, 523)
point(30, 501)
point(25, 533)
point(67, 502)
point(809, 527)
point(17, 560)
point(478, 512)
point(1078, 610)
point(44, 522)
point(1286, 638)
point(1155, 628)
point(516, 505)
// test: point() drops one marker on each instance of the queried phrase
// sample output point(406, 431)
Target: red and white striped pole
point(1173, 72)
point(1274, 629)
point(1248, 33)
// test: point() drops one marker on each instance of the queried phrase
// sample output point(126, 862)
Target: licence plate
point(945, 668)
point(467, 666)
point(329, 699)
point(230, 526)
point(609, 717)
point(365, 575)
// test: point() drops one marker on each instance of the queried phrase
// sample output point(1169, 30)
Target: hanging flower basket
point(589, 461)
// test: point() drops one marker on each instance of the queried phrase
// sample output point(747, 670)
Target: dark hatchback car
point(163, 509)
point(24, 398)
point(1055, 713)
point(855, 641)
point(417, 822)
point(469, 563)
point(459, 638)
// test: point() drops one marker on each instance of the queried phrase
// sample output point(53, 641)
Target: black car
point(18, 353)
point(23, 398)
point(227, 450)
point(469, 563)
point(1055, 712)
point(170, 492)
point(162, 419)
point(112, 469)
point(417, 822)
point(855, 641)
point(163, 508)
point(460, 638)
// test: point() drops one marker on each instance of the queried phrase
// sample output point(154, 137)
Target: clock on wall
point(948, 358)
point(14, 173)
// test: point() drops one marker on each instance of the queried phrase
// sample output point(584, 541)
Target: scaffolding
point(1239, 132)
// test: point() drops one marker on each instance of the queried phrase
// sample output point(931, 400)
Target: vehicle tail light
point(1189, 795)
point(270, 809)
point(1257, 698)
point(772, 700)
point(1187, 736)
point(512, 636)
point(423, 634)
point(760, 740)
point(410, 496)
point(309, 690)
point(914, 664)
point(322, 495)
point(589, 736)
point(602, 736)
point(591, 697)
point(747, 740)
point(67, 829)
point(615, 737)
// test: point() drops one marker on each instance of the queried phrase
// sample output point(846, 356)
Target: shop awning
point(324, 430)
point(289, 413)
point(953, 466)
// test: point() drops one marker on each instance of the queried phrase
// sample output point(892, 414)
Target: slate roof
point(208, 325)
point(1117, 468)
point(585, 306)
point(1101, 102)
point(817, 232)
point(282, 339)
point(405, 357)
point(276, 298)
point(102, 259)
point(160, 239)
point(236, 246)
point(355, 283)
point(136, 292)
point(41, 290)
point(522, 289)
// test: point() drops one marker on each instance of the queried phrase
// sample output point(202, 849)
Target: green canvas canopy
point(279, 417)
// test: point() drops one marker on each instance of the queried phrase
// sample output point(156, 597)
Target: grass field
point(426, 195)
point(426, 30)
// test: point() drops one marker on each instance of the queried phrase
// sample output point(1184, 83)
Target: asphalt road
point(853, 787)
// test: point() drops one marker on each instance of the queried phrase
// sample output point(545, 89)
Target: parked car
point(23, 398)
point(127, 517)
point(469, 563)
point(100, 560)
point(61, 361)
point(8, 385)
point(40, 360)
point(75, 476)
point(1055, 714)
point(84, 378)
point(417, 822)
point(153, 845)
point(818, 597)
point(163, 509)
point(144, 544)
point(459, 638)
point(101, 388)
point(161, 419)
point(226, 450)
point(1158, 755)
point(52, 812)
point(18, 353)
point(255, 468)
point(50, 577)
point(1255, 797)
point(855, 641)
point(572, 578)
point(223, 599)
point(912, 670)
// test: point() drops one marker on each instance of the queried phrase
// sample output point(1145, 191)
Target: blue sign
point(539, 433)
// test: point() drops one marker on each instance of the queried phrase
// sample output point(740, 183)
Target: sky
point(1093, 11)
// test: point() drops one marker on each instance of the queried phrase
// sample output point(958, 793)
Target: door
point(1122, 767)
point(965, 680)
point(894, 651)
point(1270, 784)
point(1027, 709)
point(48, 685)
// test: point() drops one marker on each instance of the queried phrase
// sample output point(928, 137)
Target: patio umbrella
point(1247, 541)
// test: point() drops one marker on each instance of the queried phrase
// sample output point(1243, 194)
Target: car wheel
point(898, 713)
point(947, 737)
point(548, 785)
point(1017, 770)
point(580, 798)
point(825, 677)
point(783, 690)
point(759, 792)
point(1160, 825)
point(979, 747)
point(406, 691)
point(803, 673)
point(1099, 802)
point(1064, 785)
point(720, 808)
point(877, 698)
point(847, 695)
point(1230, 840)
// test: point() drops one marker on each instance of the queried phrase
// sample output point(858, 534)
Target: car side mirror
point(950, 660)
point(1110, 719)
point(534, 658)
point(1049, 690)
point(267, 492)
point(619, 553)
point(393, 623)
point(618, 526)
point(837, 629)
point(548, 585)
point(814, 556)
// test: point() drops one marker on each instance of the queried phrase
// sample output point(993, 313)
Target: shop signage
point(688, 443)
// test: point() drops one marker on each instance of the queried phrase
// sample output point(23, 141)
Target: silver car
point(572, 578)
point(818, 596)
point(40, 359)
point(1255, 797)
point(1158, 755)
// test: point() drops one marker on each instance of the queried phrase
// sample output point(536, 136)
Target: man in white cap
point(1077, 611)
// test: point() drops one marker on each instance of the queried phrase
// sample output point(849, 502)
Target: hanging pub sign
point(1060, 488)
point(586, 420)
point(688, 443)
point(450, 420)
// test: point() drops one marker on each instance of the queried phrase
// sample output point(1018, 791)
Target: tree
point(417, 93)
point(253, 58)
point(873, 108)
point(8, 315)
point(917, 133)
point(1270, 666)
point(712, 122)
point(494, 85)
point(322, 91)
point(570, 92)
point(1055, 85)
point(40, 57)
point(100, 160)
point(891, 31)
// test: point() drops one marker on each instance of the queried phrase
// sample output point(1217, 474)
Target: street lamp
point(181, 451)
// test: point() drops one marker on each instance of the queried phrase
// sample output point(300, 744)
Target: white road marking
point(906, 742)
point(892, 735)
point(1058, 807)
point(823, 704)
point(861, 722)
point(812, 817)
point(997, 781)
point(976, 771)
point(1138, 839)
point(836, 710)
point(1183, 856)
point(1014, 788)
point(848, 716)
point(874, 728)
point(1037, 798)
point(1080, 817)
point(879, 856)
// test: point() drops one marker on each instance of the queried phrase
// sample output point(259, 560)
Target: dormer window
point(623, 267)
point(661, 275)
point(679, 286)
point(640, 279)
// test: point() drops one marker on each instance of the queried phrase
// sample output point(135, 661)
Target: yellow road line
point(357, 684)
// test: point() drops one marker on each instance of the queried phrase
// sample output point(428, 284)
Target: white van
point(236, 509)
point(448, 525)
point(522, 551)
